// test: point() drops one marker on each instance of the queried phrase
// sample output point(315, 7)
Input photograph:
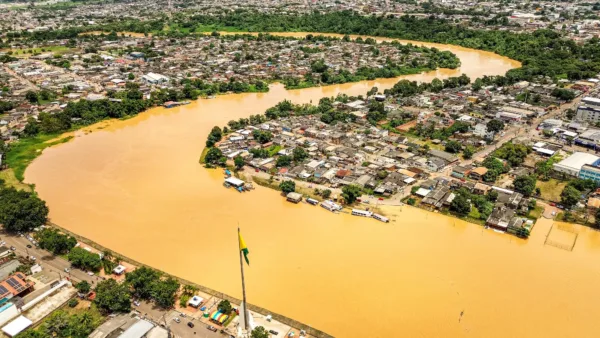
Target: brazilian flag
point(243, 248)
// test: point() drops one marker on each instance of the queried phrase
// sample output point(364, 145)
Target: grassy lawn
point(26, 150)
point(551, 189)
point(29, 51)
point(536, 212)
point(203, 155)
point(10, 180)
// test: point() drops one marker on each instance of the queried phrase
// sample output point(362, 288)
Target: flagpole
point(243, 285)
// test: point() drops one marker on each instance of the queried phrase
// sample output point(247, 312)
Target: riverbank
point(311, 331)
point(98, 187)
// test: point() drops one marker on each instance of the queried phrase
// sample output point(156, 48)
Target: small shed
point(294, 197)
point(236, 182)
point(196, 301)
point(119, 270)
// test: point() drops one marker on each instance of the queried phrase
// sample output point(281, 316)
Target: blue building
point(591, 172)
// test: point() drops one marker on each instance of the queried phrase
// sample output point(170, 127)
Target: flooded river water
point(136, 187)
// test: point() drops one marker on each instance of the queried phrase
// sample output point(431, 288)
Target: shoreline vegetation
point(543, 53)
point(278, 317)
point(130, 102)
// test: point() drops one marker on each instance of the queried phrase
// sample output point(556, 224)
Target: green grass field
point(23, 152)
point(23, 52)
point(550, 190)
point(10, 180)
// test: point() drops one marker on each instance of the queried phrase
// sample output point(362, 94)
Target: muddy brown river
point(136, 187)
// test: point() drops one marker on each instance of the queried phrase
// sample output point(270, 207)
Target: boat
point(331, 206)
point(312, 201)
point(362, 213)
point(380, 218)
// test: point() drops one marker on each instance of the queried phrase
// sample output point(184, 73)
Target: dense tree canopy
point(351, 192)
point(54, 241)
point(142, 281)
point(84, 259)
point(112, 296)
point(542, 52)
point(525, 184)
point(21, 210)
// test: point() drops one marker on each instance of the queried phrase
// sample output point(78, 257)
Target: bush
point(411, 201)
point(287, 186)
point(84, 259)
point(351, 193)
point(225, 307)
point(21, 210)
point(55, 242)
point(73, 302)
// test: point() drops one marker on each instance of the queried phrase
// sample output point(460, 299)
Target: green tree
point(570, 196)
point(490, 176)
point(142, 281)
point(32, 127)
point(453, 147)
point(213, 156)
point(287, 186)
point(225, 307)
point(597, 219)
point(283, 161)
point(84, 259)
point(112, 296)
point(54, 241)
point(262, 136)
point(299, 154)
point(492, 195)
point(83, 287)
point(460, 205)
point(259, 332)
point(21, 211)
point(239, 162)
point(164, 291)
point(31, 96)
point(495, 126)
point(214, 136)
point(522, 233)
point(525, 184)
point(350, 193)
point(130, 77)
point(468, 152)
point(326, 193)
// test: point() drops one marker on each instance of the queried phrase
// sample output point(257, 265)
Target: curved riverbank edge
point(281, 318)
point(276, 316)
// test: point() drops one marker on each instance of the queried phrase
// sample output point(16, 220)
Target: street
point(46, 260)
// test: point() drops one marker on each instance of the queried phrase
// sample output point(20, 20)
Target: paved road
point(46, 259)
point(523, 130)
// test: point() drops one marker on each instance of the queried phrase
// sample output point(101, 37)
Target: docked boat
point(312, 201)
point(331, 206)
point(381, 218)
point(362, 213)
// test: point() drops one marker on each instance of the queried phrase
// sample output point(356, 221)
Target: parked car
point(177, 320)
point(67, 270)
point(212, 328)
point(136, 303)
point(13, 248)
point(90, 273)
point(29, 246)
point(273, 332)
point(32, 258)
point(190, 324)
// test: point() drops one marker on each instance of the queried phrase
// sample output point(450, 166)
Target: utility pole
point(244, 307)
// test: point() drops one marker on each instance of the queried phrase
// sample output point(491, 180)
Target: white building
point(153, 78)
point(572, 164)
